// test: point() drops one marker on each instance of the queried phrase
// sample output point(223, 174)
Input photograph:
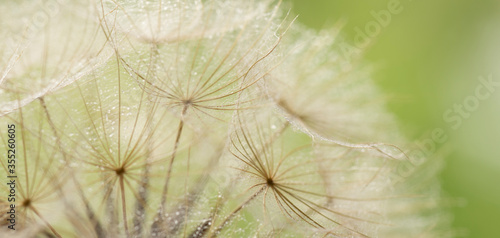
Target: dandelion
point(325, 95)
point(48, 53)
point(39, 186)
point(201, 119)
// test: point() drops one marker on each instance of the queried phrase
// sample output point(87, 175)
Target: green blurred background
point(429, 57)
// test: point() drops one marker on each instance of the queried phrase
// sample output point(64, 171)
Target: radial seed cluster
point(194, 118)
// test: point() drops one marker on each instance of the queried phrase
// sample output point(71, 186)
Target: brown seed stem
point(124, 208)
point(169, 171)
point(235, 211)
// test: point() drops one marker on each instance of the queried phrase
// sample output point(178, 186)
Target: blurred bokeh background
point(429, 57)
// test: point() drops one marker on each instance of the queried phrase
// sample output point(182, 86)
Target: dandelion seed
point(199, 119)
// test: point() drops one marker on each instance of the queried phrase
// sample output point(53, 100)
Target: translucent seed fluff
point(198, 118)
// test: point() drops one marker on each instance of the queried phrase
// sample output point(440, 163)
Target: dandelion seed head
point(201, 119)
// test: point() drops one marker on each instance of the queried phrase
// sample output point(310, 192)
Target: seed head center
point(270, 182)
point(26, 203)
point(120, 171)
